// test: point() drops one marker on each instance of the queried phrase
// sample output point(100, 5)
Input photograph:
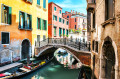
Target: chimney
point(71, 11)
point(76, 12)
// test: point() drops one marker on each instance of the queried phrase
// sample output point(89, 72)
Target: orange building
point(18, 20)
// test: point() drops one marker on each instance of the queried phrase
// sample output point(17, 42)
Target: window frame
point(1, 38)
point(9, 13)
point(55, 8)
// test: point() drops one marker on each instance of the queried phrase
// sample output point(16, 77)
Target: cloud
point(77, 5)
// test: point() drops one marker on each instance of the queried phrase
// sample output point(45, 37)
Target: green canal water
point(54, 70)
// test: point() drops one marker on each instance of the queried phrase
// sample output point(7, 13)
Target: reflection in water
point(66, 59)
point(57, 70)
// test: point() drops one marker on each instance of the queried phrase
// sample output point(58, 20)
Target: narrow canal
point(54, 70)
point(61, 67)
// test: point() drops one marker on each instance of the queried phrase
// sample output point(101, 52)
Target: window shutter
point(53, 17)
point(38, 2)
point(30, 22)
point(37, 23)
point(25, 20)
point(2, 12)
point(40, 23)
point(9, 15)
point(56, 18)
point(46, 25)
point(19, 20)
point(44, 3)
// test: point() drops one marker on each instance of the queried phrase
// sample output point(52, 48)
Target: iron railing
point(74, 43)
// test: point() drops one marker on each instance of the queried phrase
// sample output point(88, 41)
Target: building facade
point(58, 26)
point(105, 38)
point(77, 25)
point(18, 27)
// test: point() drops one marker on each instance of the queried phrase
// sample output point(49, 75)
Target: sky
point(68, 5)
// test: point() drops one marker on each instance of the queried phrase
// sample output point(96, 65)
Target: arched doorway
point(108, 60)
point(25, 49)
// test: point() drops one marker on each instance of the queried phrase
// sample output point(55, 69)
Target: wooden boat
point(26, 71)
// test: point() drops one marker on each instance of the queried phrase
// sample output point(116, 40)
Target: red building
point(58, 26)
point(73, 23)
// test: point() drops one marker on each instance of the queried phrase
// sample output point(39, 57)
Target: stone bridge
point(81, 51)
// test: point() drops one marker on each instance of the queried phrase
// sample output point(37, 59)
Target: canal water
point(54, 70)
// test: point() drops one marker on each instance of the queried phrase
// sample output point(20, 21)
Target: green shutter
point(37, 23)
point(19, 20)
point(59, 31)
point(40, 23)
point(2, 13)
point(53, 17)
point(30, 22)
point(9, 15)
point(24, 21)
point(44, 3)
point(46, 25)
point(56, 18)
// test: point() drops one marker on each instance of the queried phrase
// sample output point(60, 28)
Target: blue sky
point(68, 5)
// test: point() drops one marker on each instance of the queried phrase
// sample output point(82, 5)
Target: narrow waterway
point(54, 70)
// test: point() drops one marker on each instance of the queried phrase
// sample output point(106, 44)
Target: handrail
point(75, 43)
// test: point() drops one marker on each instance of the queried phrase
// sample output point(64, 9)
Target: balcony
point(91, 5)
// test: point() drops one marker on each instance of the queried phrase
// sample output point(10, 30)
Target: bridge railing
point(74, 43)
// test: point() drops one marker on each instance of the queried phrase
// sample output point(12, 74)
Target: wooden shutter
point(2, 12)
point(9, 15)
point(30, 22)
point(37, 23)
point(44, 3)
point(53, 17)
point(56, 18)
point(19, 19)
point(40, 23)
point(46, 25)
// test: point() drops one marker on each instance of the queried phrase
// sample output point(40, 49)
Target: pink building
point(58, 26)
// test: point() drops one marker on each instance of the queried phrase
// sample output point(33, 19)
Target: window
point(109, 9)
point(94, 20)
point(39, 23)
point(28, 21)
point(25, 21)
point(6, 14)
point(44, 3)
point(75, 19)
point(55, 9)
point(5, 38)
point(38, 2)
point(60, 31)
point(60, 11)
point(63, 21)
point(54, 31)
point(96, 47)
point(38, 38)
point(44, 37)
point(67, 16)
point(63, 32)
point(22, 20)
point(54, 17)
point(67, 33)
point(75, 27)
point(60, 19)
point(93, 42)
point(67, 23)
point(44, 24)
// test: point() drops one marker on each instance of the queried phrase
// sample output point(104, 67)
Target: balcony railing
point(74, 43)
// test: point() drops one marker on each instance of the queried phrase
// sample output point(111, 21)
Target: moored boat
point(25, 70)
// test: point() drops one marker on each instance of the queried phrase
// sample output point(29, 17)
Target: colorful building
point(19, 27)
point(77, 25)
point(58, 26)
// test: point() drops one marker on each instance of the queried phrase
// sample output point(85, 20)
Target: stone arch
point(108, 59)
point(25, 48)
point(54, 48)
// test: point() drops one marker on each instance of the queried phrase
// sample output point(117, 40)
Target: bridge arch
point(82, 57)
